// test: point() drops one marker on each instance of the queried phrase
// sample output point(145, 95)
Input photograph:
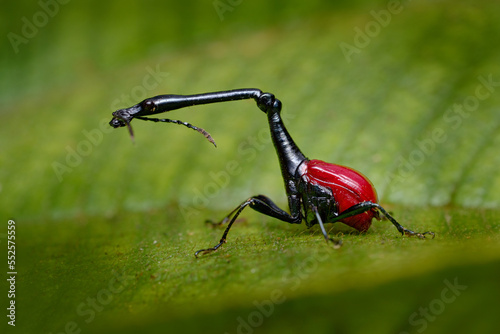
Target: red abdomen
point(349, 187)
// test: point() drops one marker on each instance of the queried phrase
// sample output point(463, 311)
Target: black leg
point(261, 204)
point(365, 206)
point(336, 243)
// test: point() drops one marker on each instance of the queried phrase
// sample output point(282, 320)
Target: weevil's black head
point(123, 117)
point(120, 118)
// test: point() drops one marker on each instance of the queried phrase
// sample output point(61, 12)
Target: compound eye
point(149, 105)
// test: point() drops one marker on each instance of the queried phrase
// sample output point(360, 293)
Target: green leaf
point(405, 92)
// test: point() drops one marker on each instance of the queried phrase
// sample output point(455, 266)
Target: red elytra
point(348, 186)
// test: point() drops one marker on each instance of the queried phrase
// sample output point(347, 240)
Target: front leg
point(336, 243)
point(319, 206)
point(262, 204)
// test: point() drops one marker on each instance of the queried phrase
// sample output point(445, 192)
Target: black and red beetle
point(318, 192)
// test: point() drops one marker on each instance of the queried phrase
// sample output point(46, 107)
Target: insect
point(318, 192)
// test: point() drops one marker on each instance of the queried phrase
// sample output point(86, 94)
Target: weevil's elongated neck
point(171, 102)
point(289, 155)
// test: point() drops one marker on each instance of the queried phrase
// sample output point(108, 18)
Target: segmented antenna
point(166, 120)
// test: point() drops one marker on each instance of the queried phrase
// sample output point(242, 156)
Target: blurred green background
point(407, 92)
